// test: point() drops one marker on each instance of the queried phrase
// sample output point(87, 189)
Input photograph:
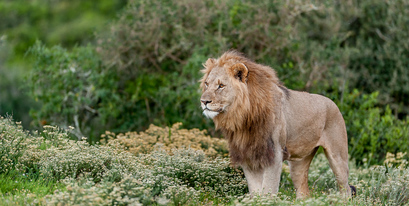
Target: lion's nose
point(205, 102)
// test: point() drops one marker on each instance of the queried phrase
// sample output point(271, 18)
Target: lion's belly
point(302, 146)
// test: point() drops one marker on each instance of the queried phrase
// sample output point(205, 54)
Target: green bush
point(52, 155)
point(372, 131)
point(196, 170)
point(145, 68)
point(14, 100)
point(379, 36)
point(148, 85)
point(57, 158)
point(177, 37)
point(74, 90)
point(312, 46)
point(139, 189)
point(67, 22)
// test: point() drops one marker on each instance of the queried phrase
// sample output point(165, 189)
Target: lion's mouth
point(211, 110)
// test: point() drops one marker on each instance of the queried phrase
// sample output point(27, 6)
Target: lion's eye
point(206, 84)
point(221, 85)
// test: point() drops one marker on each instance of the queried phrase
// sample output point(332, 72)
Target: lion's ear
point(240, 72)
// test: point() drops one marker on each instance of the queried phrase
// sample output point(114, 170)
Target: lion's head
point(234, 89)
point(222, 86)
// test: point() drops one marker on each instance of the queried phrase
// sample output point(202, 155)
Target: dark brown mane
point(249, 126)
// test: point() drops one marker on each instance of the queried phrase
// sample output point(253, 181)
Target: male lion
point(266, 123)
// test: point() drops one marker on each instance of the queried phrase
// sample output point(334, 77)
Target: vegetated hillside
point(145, 68)
point(120, 173)
point(63, 22)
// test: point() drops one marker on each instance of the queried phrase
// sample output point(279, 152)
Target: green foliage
point(176, 34)
point(140, 188)
point(74, 89)
point(372, 131)
point(16, 183)
point(150, 75)
point(153, 73)
point(54, 22)
point(379, 35)
point(13, 98)
point(323, 46)
point(65, 22)
point(385, 184)
point(51, 155)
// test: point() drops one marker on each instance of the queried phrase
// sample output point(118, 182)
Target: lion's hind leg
point(299, 174)
point(339, 165)
point(336, 150)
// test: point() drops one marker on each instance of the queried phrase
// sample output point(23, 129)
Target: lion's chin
point(210, 114)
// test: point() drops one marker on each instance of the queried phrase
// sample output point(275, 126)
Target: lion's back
point(304, 104)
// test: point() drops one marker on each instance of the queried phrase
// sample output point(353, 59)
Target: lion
point(266, 123)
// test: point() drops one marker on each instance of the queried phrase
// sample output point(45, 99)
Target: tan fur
point(264, 123)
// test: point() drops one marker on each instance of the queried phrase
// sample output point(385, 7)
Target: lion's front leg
point(254, 179)
point(272, 174)
point(265, 180)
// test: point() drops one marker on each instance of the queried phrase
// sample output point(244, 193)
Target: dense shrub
point(65, 22)
point(121, 177)
point(379, 37)
point(372, 131)
point(311, 45)
point(13, 98)
point(184, 177)
point(51, 154)
point(156, 49)
point(145, 68)
point(54, 22)
point(74, 90)
point(187, 177)
point(138, 189)
point(168, 139)
point(13, 143)
point(71, 158)
point(193, 168)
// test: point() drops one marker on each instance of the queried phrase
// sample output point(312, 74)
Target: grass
point(48, 168)
point(25, 189)
point(15, 183)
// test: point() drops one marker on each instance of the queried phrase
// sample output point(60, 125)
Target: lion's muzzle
point(205, 102)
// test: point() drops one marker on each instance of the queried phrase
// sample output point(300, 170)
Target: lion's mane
point(249, 125)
